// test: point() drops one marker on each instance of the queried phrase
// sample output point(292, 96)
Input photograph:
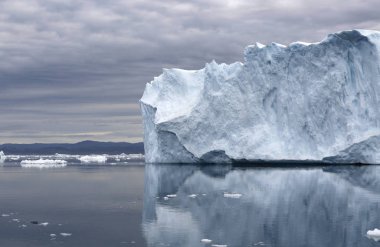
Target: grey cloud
point(70, 66)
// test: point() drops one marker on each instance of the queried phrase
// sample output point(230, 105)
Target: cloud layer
point(72, 70)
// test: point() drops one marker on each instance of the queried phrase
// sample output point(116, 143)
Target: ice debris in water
point(206, 241)
point(44, 224)
point(219, 245)
point(42, 163)
point(374, 234)
point(232, 195)
point(93, 159)
point(5, 215)
point(171, 196)
point(65, 234)
point(193, 195)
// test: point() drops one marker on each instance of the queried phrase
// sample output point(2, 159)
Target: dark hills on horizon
point(84, 147)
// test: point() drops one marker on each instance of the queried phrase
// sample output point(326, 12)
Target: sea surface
point(133, 204)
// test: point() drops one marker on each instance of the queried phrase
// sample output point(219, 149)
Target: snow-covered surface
point(93, 159)
point(41, 163)
point(296, 102)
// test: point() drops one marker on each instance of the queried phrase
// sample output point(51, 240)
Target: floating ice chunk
point(166, 198)
point(232, 195)
point(193, 195)
point(15, 220)
point(53, 235)
point(93, 159)
point(2, 157)
point(374, 234)
point(219, 245)
point(23, 226)
point(171, 196)
point(206, 241)
point(259, 243)
point(65, 234)
point(44, 224)
point(42, 163)
point(5, 215)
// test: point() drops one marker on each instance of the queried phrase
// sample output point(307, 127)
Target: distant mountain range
point(85, 147)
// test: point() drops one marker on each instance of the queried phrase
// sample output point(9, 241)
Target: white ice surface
point(93, 159)
point(296, 102)
point(374, 234)
point(42, 163)
point(206, 241)
point(2, 157)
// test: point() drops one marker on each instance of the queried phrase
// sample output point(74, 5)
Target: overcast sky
point(73, 70)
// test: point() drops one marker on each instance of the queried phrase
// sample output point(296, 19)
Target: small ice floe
point(219, 245)
point(166, 198)
point(65, 234)
point(44, 224)
point(93, 159)
point(232, 195)
point(5, 215)
point(23, 226)
point(41, 163)
point(15, 220)
point(193, 195)
point(53, 235)
point(171, 196)
point(259, 244)
point(203, 194)
point(374, 234)
point(206, 241)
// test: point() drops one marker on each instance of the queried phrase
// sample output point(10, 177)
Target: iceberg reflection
point(317, 206)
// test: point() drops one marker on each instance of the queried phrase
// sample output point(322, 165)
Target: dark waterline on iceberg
point(178, 205)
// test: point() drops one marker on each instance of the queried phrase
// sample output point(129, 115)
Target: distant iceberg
point(2, 157)
point(305, 101)
point(42, 163)
point(93, 159)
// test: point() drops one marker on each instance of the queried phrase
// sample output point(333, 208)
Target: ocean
point(135, 204)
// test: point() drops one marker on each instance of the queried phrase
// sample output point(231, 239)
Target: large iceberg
point(296, 102)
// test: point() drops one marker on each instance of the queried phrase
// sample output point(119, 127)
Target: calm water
point(169, 205)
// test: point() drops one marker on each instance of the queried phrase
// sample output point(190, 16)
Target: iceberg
point(304, 101)
point(2, 157)
point(42, 163)
point(93, 159)
point(374, 234)
point(365, 152)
